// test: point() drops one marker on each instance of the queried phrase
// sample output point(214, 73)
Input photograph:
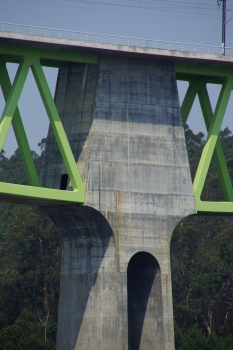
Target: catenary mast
point(223, 24)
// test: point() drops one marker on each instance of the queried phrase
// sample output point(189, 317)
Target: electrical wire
point(167, 9)
point(153, 8)
point(139, 5)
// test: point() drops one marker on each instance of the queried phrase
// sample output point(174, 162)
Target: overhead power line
point(168, 5)
point(172, 8)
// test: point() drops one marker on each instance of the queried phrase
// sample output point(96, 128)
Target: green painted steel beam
point(221, 165)
point(204, 78)
point(19, 131)
point(211, 208)
point(30, 58)
point(12, 100)
point(198, 70)
point(198, 77)
point(57, 127)
point(39, 195)
point(188, 102)
point(49, 55)
point(211, 139)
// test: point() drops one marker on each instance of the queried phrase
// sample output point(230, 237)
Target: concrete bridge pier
point(122, 118)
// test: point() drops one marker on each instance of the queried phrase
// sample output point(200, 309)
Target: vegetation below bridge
point(201, 256)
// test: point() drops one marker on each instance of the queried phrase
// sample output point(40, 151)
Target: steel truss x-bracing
point(198, 77)
point(34, 59)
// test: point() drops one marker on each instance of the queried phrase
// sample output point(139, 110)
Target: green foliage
point(202, 264)
point(30, 256)
point(201, 256)
point(22, 335)
point(12, 171)
point(195, 339)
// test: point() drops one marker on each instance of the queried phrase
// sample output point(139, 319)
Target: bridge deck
point(184, 57)
point(190, 66)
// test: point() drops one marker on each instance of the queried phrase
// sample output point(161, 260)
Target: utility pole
point(223, 24)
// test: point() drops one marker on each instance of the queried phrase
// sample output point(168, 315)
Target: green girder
point(31, 58)
point(198, 77)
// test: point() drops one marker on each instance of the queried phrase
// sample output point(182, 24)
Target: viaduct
point(116, 178)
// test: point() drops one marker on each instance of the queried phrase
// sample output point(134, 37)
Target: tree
point(30, 252)
point(202, 263)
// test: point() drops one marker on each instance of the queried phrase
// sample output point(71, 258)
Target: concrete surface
point(123, 121)
point(185, 57)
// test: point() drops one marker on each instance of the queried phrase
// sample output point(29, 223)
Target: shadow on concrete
point(142, 270)
point(86, 235)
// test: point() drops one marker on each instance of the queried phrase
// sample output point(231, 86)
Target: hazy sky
point(188, 21)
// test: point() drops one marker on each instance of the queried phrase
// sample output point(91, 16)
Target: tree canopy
point(202, 263)
point(30, 253)
point(201, 258)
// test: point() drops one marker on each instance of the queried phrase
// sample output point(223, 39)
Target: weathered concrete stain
point(123, 121)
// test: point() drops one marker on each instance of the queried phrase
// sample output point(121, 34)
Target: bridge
point(115, 178)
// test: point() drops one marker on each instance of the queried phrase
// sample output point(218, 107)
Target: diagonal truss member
point(34, 59)
point(198, 77)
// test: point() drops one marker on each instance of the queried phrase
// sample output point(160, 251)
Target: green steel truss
point(198, 77)
point(34, 59)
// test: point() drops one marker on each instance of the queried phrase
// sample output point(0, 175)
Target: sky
point(189, 21)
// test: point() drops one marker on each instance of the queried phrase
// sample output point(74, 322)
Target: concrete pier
point(122, 118)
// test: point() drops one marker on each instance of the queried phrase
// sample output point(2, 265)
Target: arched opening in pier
point(144, 302)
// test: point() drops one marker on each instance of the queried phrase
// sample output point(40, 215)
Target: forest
point(201, 258)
